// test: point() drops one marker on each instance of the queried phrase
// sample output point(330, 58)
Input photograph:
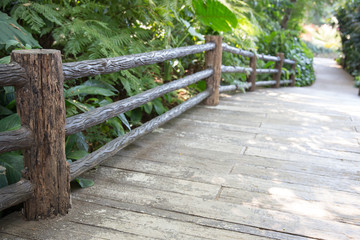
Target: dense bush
point(293, 47)
point(348, 15)
point(280, 22)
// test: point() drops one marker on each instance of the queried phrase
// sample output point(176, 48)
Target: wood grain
point(237, 51)
point(288, 61)
point(268, 57)
point(234, 87)
point(278, 66)
point(15, 193)
point(266, 71)
point(12, 75)
point(41, 107)
point(111, 148)
point(233, 69)
point(82, 121)
point(109, 65)
point(265, 83)
point(15, 140)
point(213, 61)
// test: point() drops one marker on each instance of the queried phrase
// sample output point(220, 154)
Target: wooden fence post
point(41, 106)
point(252, 77)
point(293, 74)
point(213, 59)
point(278, 66)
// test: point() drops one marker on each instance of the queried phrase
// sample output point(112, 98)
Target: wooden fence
point(38, 77)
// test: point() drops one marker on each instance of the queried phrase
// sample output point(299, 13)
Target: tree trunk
point(287, 15)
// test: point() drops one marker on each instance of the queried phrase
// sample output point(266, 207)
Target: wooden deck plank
point(262, 218)
point(245, 182)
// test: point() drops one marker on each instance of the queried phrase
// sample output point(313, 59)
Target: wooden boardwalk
point(271, 164)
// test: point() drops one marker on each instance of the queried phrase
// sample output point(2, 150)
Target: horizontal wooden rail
point(272, 82)
point(268, 58)
point(244, 53)
point(12, 75)
point(111, 148)
point(266, 71)
point(237, 51)
point(85, 120)
point(109, 65)
point(15, 140)
point(282, 82)
point(233, 69)
point(288, 61)
point(234, 87)
point(15, 193)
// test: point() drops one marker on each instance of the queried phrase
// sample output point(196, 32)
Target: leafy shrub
point(287, 42)
point(348, 15)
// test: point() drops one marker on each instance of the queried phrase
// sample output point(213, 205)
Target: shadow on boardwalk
point(271, 164)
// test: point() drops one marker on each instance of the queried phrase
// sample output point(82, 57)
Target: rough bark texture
point(287, 15)
point(288, 61)
point(252, 77)
point(213, 60)
point(88, 119)
point(278, 66)
point(14, 140)
point(233, 69)
point(293, 74)
point(237, 51)
point(15, 193)
point(266, 71)
point(229, 88)
point(41, 107)
point(267, 58)
point(12, 75)
point(109, 65)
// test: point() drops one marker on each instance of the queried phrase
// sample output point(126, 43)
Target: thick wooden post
point(252, 76)
point(278, 66)
point(213, 60)
point(293, 74)
point(41, 106)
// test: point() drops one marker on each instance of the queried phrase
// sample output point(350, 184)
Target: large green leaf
point(84, 183)
point(4, 111)
point(192, 30)
point(117, 126)
point(10, 123)
point(77, 154)
point(13, 162)
point(76, 141)
point(124, 120)
point(215, 15)
point(12, 34)
point(100, 84)
point(84, 90)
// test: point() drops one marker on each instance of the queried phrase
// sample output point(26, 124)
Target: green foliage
point(348, 15)
point(215, 15)
point(84, 183)
point(13, 35)
point(13, 163)
point(288, 43)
